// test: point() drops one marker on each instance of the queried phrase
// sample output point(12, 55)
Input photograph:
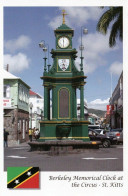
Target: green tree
point(113, 16)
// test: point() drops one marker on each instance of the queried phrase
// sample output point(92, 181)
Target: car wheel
point(106, 143)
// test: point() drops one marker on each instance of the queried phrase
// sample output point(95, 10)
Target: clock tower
point(60, 85)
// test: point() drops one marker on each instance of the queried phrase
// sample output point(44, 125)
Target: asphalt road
point(102, 159)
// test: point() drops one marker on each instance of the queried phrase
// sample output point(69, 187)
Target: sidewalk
point(16, 144)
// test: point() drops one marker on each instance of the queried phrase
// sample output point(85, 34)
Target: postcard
point(64, 88)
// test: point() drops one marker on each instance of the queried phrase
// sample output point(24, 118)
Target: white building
point(36, 108)
point(85, 109)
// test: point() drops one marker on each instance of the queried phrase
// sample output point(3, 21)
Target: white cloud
point(22, 42)
point(55, 22)
point(96, 47)
point(77, 16)
point(17, 63)
point(80, 15)
point(98, 104)
point(116, 68)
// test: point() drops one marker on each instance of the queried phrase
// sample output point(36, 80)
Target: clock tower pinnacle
point(64, 14)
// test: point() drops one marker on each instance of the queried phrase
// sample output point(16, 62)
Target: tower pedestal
point(64, 130)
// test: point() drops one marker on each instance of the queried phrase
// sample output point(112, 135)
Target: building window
point(6, 91)
point(26, 125)
point(19, 92)
point(19, 125)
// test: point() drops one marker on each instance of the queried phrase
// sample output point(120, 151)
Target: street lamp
point(116, 102)
point(45, 48)
point(83, 31)
point(31, 106)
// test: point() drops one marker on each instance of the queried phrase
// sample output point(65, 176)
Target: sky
point(25, 27)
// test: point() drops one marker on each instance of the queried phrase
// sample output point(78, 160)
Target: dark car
point(105, 139)
point(118, 133)
point(100, 131)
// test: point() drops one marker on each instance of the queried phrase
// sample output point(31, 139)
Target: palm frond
point(117, 28)
point(114, 34)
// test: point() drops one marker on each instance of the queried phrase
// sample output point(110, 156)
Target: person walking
point(36, 133)
point(30, 134)
point(5, 138)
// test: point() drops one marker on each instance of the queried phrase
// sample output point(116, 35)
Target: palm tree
point(113, 15)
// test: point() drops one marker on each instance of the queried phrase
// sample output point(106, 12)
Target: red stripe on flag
point(33, 182)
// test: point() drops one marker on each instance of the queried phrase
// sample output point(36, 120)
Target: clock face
point(63, 64)
point(63, 42)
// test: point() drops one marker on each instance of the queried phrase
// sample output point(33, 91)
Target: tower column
point(74, 104)
point(53, 103)
point(82, 102)
point(46, 105)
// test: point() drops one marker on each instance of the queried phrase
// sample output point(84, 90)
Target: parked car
point(118, 133)
point(100, 131)
point(94, 126)
point(105, 140)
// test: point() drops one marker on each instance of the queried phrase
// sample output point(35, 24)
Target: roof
point(64, 28)
point(33, 93)
point(8, 76)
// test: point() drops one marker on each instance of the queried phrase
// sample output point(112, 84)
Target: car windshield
point(98, 130)
point(92, 132)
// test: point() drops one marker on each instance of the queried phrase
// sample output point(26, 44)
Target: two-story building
point(116, 115)
point(16, 108)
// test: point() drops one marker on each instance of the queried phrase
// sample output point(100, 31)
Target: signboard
point(6, 103)
point(110, 109)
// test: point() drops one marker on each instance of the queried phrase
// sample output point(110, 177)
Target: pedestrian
point(36, 133)
point(30, 134)
point(5, 138)
point(34, 129)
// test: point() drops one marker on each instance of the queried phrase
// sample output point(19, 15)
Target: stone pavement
point(11, 144)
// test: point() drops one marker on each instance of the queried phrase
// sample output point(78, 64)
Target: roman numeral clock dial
point(63, 42)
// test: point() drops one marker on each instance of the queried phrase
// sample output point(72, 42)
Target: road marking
point(17, 157)
point(20, 148)
point(119, 147)
point(92, 158)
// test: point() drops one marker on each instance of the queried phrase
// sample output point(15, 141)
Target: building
point(116, 102)
point(94, 119)
point(85, 110)
point(36, 111)
point(16, 108)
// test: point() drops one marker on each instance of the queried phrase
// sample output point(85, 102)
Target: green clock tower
point(60, 85)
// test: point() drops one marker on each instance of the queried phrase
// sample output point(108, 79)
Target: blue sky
point(25, 27)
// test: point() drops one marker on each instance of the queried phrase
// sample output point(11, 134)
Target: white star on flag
point(29, 173)
point(17, 181)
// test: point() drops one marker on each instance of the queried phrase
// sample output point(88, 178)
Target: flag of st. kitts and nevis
point(23, 177)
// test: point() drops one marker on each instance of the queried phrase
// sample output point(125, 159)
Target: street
point(102, 159)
